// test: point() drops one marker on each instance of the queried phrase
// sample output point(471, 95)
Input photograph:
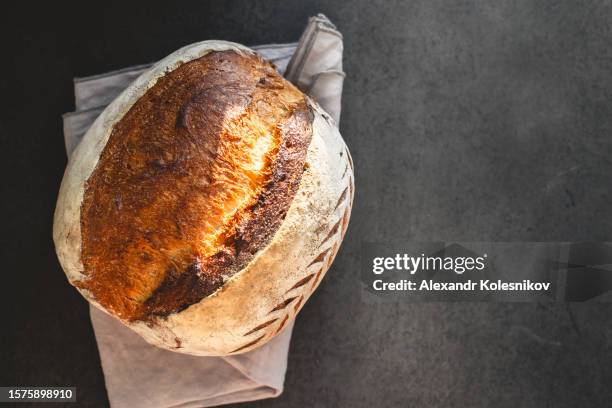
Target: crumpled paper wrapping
point(138, 374)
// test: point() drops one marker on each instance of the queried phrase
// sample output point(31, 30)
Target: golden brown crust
point(195, 179)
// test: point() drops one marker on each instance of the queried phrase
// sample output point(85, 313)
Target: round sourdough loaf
point(205, 204)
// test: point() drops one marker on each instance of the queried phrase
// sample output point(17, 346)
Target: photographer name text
point(457, 266)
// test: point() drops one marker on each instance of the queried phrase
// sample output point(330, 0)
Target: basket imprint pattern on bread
point(296, 295)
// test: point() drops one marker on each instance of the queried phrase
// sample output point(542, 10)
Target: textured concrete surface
point(468, 120)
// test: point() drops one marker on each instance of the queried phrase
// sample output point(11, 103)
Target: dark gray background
point(467, 120)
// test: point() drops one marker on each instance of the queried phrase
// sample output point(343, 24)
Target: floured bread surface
point(206, 203)
point(194, 180)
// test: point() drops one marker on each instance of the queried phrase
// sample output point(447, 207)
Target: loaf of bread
point(206, 203)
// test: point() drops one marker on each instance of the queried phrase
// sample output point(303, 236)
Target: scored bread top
point(194, 180)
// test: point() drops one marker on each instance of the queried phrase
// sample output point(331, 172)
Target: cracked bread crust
point(194, 180)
